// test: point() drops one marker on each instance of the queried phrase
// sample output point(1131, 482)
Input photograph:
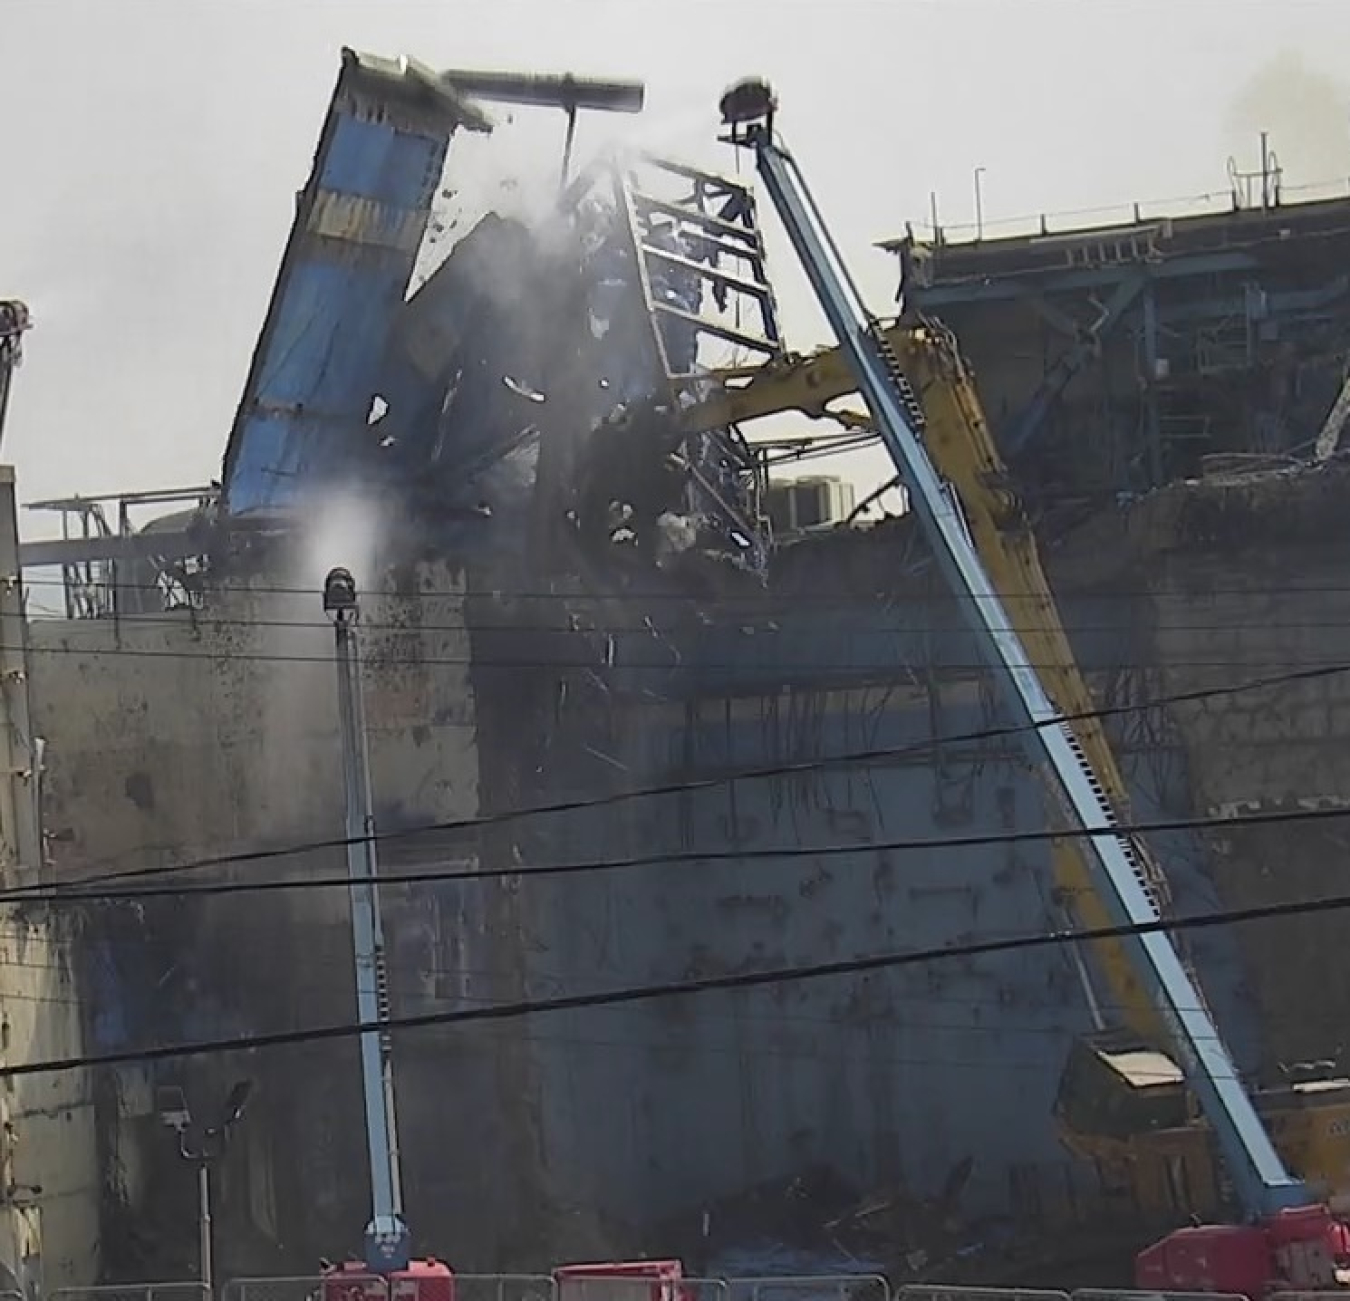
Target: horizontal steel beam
point(1016, 285)
point(175, 543)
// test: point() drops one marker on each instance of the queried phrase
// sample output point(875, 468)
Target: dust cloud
point(1307, 114)
point(342, 530)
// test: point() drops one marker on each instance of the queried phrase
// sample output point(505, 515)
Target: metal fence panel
point(508, 1287)
point(1307, 1296)
point(811, 1287)
point(307, 1287)
point(704, 1289)
point(638, 1287)
point(173, 1291)
point(1136, 1294)
point(936, 1292)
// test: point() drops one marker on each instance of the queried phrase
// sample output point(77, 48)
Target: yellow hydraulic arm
point(1169, 1169)
point(959, 443)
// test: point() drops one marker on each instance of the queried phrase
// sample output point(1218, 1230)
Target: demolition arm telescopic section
point(387, 1237)
point(1263, 1183)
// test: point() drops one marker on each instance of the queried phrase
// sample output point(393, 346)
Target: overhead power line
point(874, 755)
point(729, 597)
point(70, 895)
point(887, 664)
point(673, 989)
point(733, 616)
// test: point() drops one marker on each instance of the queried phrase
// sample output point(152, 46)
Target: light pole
point(211, 1142)
point(387, 1243)
point(979, 203)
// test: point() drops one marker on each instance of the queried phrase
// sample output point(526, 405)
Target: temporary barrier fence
point(179, 1291)
point(638, 1287)
point(951, 1292)
point(543, 1287)
point(307, 1287)
point(504, 1287)
point(810, 1287)
point(1122, 1294)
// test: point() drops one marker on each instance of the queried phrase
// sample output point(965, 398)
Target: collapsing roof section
point(358, 226)
point(500, 388)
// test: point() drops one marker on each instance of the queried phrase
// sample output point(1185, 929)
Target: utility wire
point(69, 895)
point(673, 989)
point(874, 755)
point(377, 659)
point(731, 598)
point(732, 617)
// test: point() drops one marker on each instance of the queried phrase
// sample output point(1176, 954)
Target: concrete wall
point(48, 1151)
point(888, 1077)
point(1243, 586)
point(187, 735)
point(182, 736)
point(1284, 749)
point(50, 1180)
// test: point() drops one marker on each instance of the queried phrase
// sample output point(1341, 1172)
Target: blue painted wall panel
point(372, 160)
point(334, 302)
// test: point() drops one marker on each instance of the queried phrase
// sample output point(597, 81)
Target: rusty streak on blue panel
point(359, 222)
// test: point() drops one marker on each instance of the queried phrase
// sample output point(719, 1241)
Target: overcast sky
point(152, 149)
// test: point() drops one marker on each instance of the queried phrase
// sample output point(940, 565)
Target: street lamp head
point(172, 1106)
point(339, 593)
point(748, 101)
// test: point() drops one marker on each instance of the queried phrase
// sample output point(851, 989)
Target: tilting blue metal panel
point(358, 226)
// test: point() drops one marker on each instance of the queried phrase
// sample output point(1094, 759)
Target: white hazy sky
point(152, 149)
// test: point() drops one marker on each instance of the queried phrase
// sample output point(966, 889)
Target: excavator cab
point(1115, 1086)
point(1124, 1106)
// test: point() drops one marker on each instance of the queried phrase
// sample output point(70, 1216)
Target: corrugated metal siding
point(343, 277)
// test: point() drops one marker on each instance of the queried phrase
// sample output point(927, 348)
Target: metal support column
point(1028, 424)
point(204, 1254)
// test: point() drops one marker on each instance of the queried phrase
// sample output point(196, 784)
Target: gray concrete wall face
point(49, 1227)
point(49, 1167)
point(184, 736)
point(1279, 750)
point(175, 738)
point(888, 1077)
point(173, 735)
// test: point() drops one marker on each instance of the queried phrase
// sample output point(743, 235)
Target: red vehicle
point(422, 1280)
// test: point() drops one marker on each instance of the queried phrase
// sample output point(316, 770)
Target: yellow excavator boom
point(963, 452)
point(1165, 1159)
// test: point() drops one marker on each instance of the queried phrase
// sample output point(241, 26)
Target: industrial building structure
point(570, 607)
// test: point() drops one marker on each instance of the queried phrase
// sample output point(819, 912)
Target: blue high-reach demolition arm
point(1263, 1184)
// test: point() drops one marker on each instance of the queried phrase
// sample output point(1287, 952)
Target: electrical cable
point(843, 668)
point(68, 895)
point(733, 616)
point(873, 755)
point(673, 989)
point(755, 596)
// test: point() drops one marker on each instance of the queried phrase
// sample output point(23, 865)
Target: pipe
point(549, 90)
